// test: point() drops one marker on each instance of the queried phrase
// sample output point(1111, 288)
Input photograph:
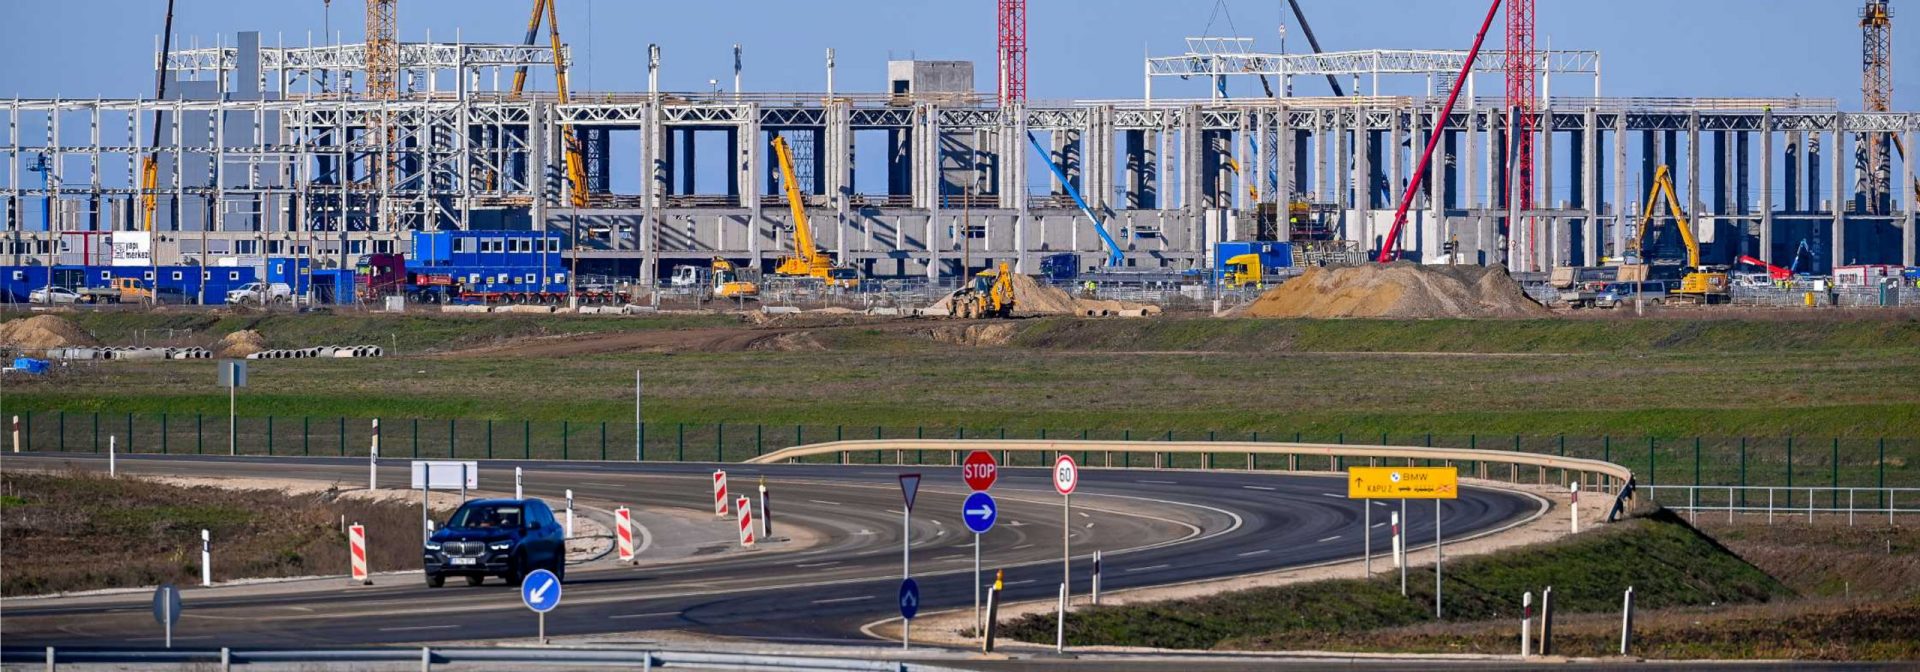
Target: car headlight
point(433, 546)
point(500, 546)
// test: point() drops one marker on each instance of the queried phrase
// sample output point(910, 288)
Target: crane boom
point(1663, 187)
point(1115, 257)
point(533, 32)
point(1433, 140)
point(576, 164)
point(806, 257)
point(150, 168)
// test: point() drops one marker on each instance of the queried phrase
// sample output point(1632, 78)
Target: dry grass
point(1869, 560)
point(81, 531)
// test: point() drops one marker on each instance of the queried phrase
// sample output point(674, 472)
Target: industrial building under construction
point(334, 152)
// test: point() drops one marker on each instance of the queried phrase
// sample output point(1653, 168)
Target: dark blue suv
point(508, 538)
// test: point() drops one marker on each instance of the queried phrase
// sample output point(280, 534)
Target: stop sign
point(980, 470)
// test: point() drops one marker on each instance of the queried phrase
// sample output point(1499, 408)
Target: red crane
point(1522, 97)
point(1013, 51)
point(1387, 252)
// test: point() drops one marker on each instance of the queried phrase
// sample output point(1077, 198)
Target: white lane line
point(1160, 482)
point(651, 615)
point(1259, 487)
point(1021, 583)
point(1334, 495)
point(605, 485)
point(1322, 541)
point(807, 565)
point(175, 638)
point(1023, 546)
point(822, 501)
point(1379, 524)
point(410, 628)
point(1149, 568)
point(844, 599)
point(1249, 554)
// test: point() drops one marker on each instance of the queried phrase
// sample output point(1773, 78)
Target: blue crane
point(1115, 257)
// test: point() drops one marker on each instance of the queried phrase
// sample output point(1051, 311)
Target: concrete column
point(1839, 256)
point(1397, 170)
point(1470, 162)
point(1812, 152)
point(1439, 227)
point(931, 168)
point(1620, 207)
point(1742, 171)
point(1765, 251)
point(1343, 179)
point(1796, 147)
point(1910, 185)
point(1722, 169)
point(1490, 245)
point(1693, 177)
point(1359, 224)
point(1549, 244)
point(748, 143)
point(1283, 162)
point(1017, 137)
point(1590, 190)
point(1322, 149)
point(1142, 179)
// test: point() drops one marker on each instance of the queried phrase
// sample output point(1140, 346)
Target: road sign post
point(233, 375)
point(909, 607)
point(1435, 483)
point(166, 609)
point(1066, 478)
point(979, 511)
point(540, 591)
point(909, 488)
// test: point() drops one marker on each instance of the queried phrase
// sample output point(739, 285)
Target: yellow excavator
point(989, 295)
point(1707, 285)
point(807, 261)
point(728, 283)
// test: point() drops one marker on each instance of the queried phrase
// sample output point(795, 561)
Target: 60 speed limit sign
point(1066, 475)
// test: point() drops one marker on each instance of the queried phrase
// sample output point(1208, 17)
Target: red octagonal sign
point(980, 470)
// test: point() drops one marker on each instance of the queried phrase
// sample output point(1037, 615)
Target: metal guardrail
point(1605, 476)
point(1790, 503)
point(427, 657)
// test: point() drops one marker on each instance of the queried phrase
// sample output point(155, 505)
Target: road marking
point(1160, 482)
point(1083, 514)
point(1253, 553)
point(175, 638)
point(657, 613)
point(1021, 583)
point(1379, 524)
point(1322, 541)
point(413, 627)
point(1023, 546)
point(1149, 568)
point(1334, 495)
point(844, 599)
point(604, 485)
point(822, 501)
point(806, 565)
point(1259, 487)
point(936, 521)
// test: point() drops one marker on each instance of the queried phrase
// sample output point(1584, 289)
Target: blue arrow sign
point(540, 590)
point(909, 598)
point(979, 511)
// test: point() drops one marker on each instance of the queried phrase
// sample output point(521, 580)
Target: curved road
point(1154, 528)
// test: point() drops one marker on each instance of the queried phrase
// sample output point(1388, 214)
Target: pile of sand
point(239, 344)
point(41, 332)
point(1398, 290)
point(1031, 299)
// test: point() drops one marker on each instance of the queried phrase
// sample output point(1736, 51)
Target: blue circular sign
point(909, 598)
point(979, 511)
point(540, 590)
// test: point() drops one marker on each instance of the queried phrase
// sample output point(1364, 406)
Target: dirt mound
point(239, 344)
point(41, 332)
point(980, 335)
point(792, 341)
point(1399, 290)
point(1032, 299)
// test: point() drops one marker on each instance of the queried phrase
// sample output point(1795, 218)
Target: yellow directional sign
point(1403, 483)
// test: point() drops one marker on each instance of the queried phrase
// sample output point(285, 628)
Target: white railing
point(1786, 503)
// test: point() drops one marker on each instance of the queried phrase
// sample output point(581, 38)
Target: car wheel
point(476, 580)
point(516, 570)
point(435, 580)
point(560, 568)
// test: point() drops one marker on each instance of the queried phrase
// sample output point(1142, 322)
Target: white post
point(1400, 551)
point(1526, 624)
point(1573, 490)
point(16, 433)
point(1436, 558)
point(1366, 538)
point(206, 558)
point(1626, 621)
point(569, 513)
point(113, 469)
point(906, 548)
point(1066, 548)
point(977, 625)
point(166, 616)
point(1060, 624)
point(373, 459)
point(233, 401)
point(639, 429)
point(517, 494)
point(1096, 577)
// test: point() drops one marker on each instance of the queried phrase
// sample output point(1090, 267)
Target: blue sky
point(1088, 49)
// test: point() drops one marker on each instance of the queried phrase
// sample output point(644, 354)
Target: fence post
point(1743, 472)
point(63, 431)
point(343, 436)
point(130, 444)
point(489, 438)
point(603, 440)
point(453, 451)
point(1883, 473)
point(1836, 473)
point(269, 435)
point(680, 429)
point(720, 443)
point(306, 435)
point(565, 449)
point(163, 433)
point(96, 431)
point(1651, 470)
point(526, 439)
point(759, 444)
point(199, 432)
point(1789, 466)
point(416, 438)
point(1606, 447)
point(1696, 463)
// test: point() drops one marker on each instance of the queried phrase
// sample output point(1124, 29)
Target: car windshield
point(486, 516)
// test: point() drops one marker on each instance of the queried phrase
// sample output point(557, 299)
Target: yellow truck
point(1244, 272)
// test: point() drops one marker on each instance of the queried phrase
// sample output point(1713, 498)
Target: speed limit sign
point(1066, 475)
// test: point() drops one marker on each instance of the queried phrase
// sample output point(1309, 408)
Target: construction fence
point(1786, 462)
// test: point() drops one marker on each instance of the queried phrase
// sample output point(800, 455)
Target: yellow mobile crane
point(576, 164)
point(1708, 285)
point(807, 261)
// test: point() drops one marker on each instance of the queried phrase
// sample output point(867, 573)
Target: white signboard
point(446, 474)
point(132, 248)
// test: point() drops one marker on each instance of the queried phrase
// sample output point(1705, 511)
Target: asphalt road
point(1153, 527)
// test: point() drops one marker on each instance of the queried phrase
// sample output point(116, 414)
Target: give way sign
point(980, 470)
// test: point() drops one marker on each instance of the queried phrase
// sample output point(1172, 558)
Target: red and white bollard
point(746, 521)
point(1396, 537)
point(623, 529)
point(357, 547)
point(720, 493)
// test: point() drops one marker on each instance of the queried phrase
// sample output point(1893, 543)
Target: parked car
point(260, 292)
point(1647, 291)
point(508, 538)
point(54, 295)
